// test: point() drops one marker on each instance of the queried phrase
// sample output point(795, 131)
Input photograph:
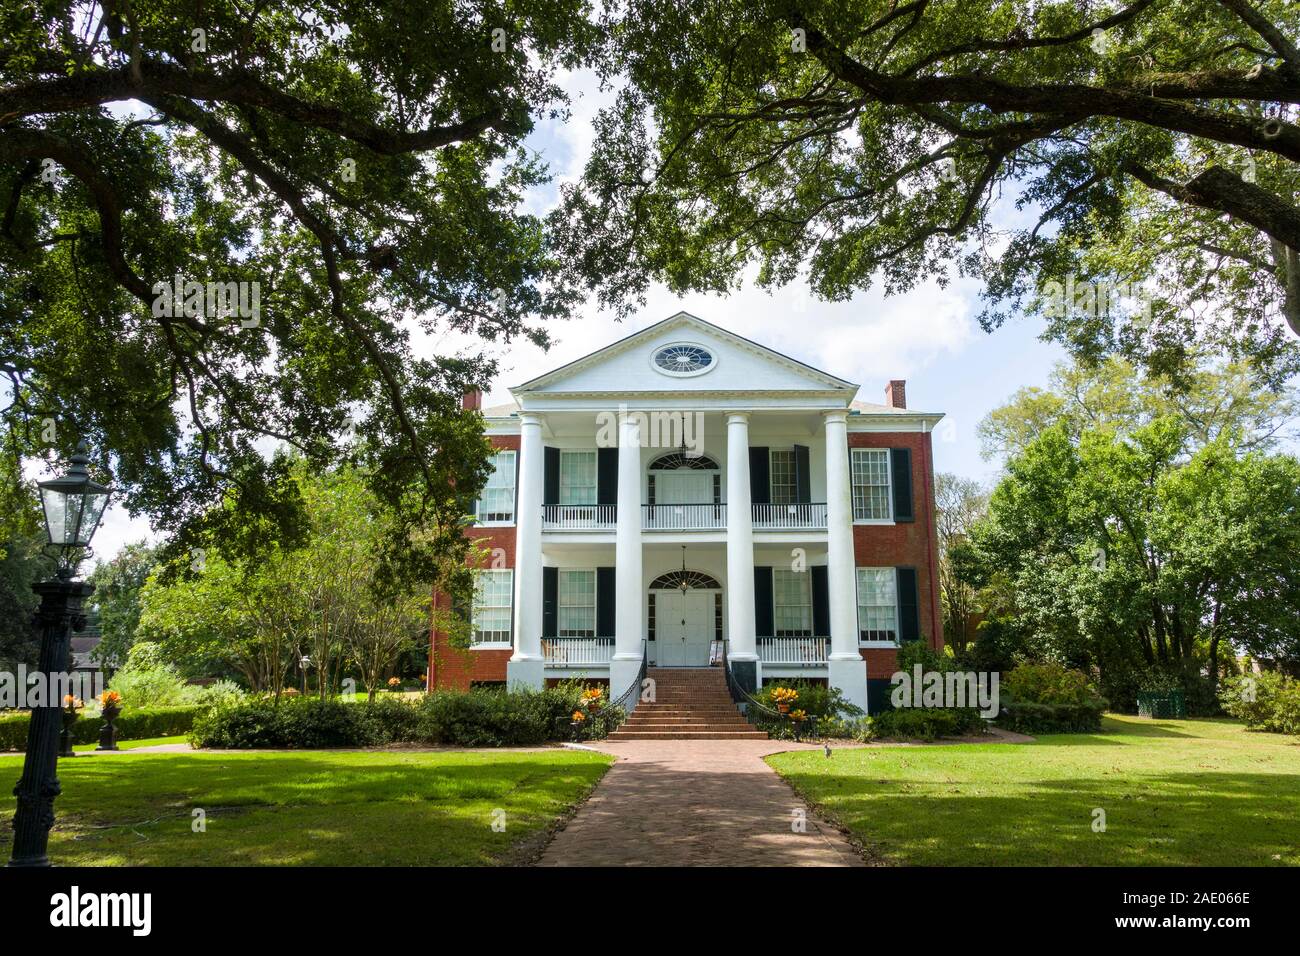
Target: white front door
point(684, 625)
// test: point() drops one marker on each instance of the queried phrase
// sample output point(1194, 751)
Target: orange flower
point(579, 716)
point(394, 681)
point(110, 698)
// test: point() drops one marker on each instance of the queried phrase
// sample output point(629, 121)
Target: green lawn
point(1190, 792)
point(314, 808)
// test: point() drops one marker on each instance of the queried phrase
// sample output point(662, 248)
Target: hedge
point(136, 724)
point(1026, 717)
point(481, 717)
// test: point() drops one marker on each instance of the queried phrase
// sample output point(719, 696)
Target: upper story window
point(683, 358)
point(497, 504)
point(877, 605)
point(577, 477)
point(871, 496)
point(792, 603)
point(784, 478)
point(490, 617)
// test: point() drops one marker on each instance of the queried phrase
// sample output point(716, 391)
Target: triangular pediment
point(732, 364)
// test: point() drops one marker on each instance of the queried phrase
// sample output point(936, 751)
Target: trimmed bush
point(926, 723)
point(134, 724)
point(1026, 717)
point(481, 717)
point(1268, 701)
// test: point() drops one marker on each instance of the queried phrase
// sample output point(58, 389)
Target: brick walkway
point(695, 803)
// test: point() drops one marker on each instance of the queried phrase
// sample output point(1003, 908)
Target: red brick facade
point(909, 543)
point(913, 543)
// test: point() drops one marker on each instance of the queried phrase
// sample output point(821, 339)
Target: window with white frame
point(870, 471)
point(785, 483)
point(490, 617)
point(792, 603)
point(577, 603)
point(497, 504)
point(577, 477)
point(877, 605)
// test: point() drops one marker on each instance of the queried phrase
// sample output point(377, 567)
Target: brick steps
point(690, 704)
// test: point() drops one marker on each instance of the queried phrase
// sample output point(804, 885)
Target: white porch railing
point(793, 650)
point(577, 651)
point(579, 517)
point(789, 517)
point(683, 517)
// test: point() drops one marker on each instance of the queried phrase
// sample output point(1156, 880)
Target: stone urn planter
point(70, 716)
point(108, 733)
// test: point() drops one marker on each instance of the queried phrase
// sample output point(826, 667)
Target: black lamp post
point(73, 506)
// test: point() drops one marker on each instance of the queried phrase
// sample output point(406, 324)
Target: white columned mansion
point(685, 497)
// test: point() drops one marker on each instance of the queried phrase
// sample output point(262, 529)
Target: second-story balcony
point(579, 517)
point(807, 516)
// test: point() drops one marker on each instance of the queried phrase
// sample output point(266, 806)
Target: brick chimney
point(896, 393)
point(472, 401)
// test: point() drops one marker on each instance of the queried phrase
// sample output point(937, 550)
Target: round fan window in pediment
point(683, 358)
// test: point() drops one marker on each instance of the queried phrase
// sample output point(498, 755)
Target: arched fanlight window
point(681, 460)
point(672, 581)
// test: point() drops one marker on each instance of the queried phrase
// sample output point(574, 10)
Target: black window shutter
point(606, 476)
point(605, 602)
point(764, 618)
point(760, 477)
point(909, 616)
point(550, 602)
point(900, 460)
point(821, 598)
point(551, 479)
point(802, 476)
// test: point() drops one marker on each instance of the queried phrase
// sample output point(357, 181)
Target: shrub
point(1267, 701)
point(1050, 699)
point(925, 723)
point(828, 713)
point(476, 718)
point(1048, 684)
point(215, 694)
point(134, 724)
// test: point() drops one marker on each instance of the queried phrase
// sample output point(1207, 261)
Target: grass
point(310, 808)
point(1188, 792)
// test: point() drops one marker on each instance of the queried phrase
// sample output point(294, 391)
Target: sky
point(928, 336)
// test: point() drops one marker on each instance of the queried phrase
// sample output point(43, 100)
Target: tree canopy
point(1149, 149)
point(221, 224)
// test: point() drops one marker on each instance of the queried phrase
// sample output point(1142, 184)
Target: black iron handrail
point(751, 704)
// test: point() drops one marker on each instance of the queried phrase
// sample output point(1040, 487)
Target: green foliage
point(859, 142)
point(925, 723)
point(135, 723)
point(146, 680)
point(117, 598)
point(828, 713)
point(21, 565)
point(1048, 684)
point(481, 717)
point(363, 164)
point(1266, 701)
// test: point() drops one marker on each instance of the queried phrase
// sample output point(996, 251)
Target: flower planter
point(70, 717)
point(108, 733)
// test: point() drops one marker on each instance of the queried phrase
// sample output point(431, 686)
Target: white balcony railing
point(577, 651)
point(579, 517)
point(683, 517)
point(793, 650)
point(789, 517)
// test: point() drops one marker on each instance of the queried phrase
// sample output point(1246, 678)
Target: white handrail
point(574, 651)
point(693, 517)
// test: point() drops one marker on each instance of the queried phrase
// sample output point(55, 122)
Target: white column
point(847, 669)
point(740, 553)
point(629, 615)
point(526, 666)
